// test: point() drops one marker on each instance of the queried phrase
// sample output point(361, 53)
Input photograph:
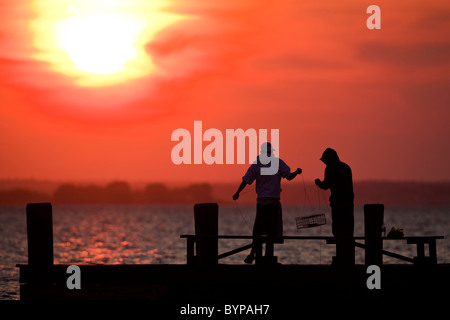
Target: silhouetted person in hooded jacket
point(338, 178)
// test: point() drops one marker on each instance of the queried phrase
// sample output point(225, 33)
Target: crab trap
point(314, 220)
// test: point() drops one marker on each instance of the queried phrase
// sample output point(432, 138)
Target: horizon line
point(50, 180)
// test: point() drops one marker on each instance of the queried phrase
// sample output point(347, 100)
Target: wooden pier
point(202, 278)
point(234, 283)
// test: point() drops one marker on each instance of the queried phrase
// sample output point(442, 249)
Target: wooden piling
point(373, 220)
point(39, 234)
point(206, 226)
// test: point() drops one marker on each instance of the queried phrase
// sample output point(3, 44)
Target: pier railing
point(202, 248)
point(259, 241)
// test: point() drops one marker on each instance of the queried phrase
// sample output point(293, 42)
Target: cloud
point(417, 55)
point(297, 62)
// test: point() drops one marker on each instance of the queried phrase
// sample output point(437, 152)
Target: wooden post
point(432, 250)
point(207, 230)
point(373, 220)
point(190, 243)
point(40, 234)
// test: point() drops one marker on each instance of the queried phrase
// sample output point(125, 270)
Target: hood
point(329, 156)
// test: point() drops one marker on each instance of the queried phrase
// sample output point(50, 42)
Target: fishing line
point(309, 203)
point(320, 228)
point(307, 200)
point(320, 194)
point(242, 216)
point(240, 212)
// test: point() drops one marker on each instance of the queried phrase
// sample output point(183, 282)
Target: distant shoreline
point(122, 192)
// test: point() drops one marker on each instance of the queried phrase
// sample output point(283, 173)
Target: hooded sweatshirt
point(338, 178)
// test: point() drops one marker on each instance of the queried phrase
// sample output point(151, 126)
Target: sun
point(99, 42)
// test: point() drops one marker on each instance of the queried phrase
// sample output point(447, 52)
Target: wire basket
point(314, 220)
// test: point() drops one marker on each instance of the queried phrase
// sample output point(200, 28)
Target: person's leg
point(274, 226)
point(268, 222)
point(342, 228)
point(256, 232)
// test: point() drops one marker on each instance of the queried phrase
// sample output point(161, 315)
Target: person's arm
point(241, 187)
point(323, 184)
point(292, 175)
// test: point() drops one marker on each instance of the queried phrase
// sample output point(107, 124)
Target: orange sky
point(311, 69)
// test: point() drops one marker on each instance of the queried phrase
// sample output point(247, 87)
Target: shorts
point(269, 220)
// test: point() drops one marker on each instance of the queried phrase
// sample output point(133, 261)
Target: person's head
point(329, 156)
point(266, 149)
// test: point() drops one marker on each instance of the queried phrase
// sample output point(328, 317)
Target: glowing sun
point(99, 42)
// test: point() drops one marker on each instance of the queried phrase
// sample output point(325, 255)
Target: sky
point(93, 90)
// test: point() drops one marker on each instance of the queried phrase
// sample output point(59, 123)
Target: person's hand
point(236, 196)
point(317, 181)
point(298, 171)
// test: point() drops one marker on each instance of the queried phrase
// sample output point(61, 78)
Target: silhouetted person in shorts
point(268, 219)
point(338, 178)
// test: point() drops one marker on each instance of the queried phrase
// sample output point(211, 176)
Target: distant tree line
point(22, 196)
point(118, 192)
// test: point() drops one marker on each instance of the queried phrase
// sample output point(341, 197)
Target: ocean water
point(151, 235)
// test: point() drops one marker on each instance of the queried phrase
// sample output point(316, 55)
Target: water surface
point(151, 235)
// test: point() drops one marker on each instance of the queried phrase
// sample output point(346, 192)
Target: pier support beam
point(373, 220)
point(207, 227)
point(40, 234)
